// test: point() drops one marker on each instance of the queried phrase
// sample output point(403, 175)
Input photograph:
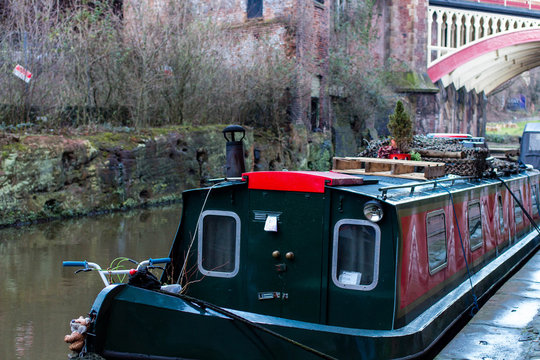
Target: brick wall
point(299, 27)
point(312, 40)
point(402, 28)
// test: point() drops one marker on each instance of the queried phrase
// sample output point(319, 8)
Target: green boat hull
point(135, 323)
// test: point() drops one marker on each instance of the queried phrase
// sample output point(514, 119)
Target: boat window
point(436, 240)
point(501, 214)
point(518, 213)
point(475, 225)
point(219, 243)
point(535, 204)
point(534, 142)
point(355, 254)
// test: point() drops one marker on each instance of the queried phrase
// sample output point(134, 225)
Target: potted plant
point(400, 126)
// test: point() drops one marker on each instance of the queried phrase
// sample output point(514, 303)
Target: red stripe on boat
point(304, 181)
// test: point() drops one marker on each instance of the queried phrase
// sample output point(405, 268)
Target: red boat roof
point(305, 181)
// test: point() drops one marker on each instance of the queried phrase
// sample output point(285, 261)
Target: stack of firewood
point(458, 159)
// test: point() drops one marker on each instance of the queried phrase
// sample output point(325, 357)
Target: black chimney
point(235, 165)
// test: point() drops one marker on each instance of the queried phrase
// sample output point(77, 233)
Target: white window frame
point(375, 260)
point(445, 264)
point(215, 273)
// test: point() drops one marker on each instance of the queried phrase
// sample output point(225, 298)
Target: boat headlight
point(373, 211)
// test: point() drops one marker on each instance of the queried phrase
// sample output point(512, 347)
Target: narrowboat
point(304, 264)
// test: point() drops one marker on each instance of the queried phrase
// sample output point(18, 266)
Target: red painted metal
point(305, 181)
point(399, 156)
point(523, 4)
point(449, 64)
point(416, 283)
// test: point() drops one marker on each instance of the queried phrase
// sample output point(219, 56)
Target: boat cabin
point(366, 252)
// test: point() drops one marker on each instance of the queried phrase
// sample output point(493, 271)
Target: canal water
point(38, 297)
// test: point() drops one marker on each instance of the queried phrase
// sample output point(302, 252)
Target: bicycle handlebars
point(102, 272)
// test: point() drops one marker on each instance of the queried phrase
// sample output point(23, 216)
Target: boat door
point(284, 254)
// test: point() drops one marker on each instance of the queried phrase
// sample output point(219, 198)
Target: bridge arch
point(488, 63)
point(479, 46)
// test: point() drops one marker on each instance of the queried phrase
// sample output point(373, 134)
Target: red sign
point(22, 73)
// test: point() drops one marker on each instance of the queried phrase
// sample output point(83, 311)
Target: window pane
point(534, 142)
point(436, 240)
point(501, 215)
point(475, 226)
point(356, 255)
point(218, 243)
point(254, 8)
point(534, 195)
point(518, 214)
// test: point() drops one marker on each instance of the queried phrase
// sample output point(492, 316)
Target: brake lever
point(155, 267)
point(85, 270)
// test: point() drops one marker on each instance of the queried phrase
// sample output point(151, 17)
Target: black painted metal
point(235, 164)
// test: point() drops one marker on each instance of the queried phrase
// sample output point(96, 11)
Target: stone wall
point(50, 176)
point(449, 110)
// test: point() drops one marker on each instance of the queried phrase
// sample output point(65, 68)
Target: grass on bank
point(505, 133)
point(511, 129)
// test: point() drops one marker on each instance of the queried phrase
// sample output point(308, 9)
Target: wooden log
point(513, 152)
point(441, 154)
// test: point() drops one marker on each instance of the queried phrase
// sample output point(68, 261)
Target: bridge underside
point(484, 65)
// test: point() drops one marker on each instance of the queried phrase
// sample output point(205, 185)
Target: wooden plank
point(411, 176)
point(340, 163)
point(432, 172)
point(401, 169)
point(389, 167)
point(376, 167)
point(392, 161)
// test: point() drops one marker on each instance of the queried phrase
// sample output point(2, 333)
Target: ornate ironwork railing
point(451, 29)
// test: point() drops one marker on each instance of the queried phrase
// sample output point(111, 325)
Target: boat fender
point(78, 334)
point(173, 289)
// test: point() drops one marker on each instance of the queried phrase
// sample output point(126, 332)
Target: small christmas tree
point(400, 126)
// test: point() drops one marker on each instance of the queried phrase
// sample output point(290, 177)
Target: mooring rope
point(195, 233)
point(519, 203)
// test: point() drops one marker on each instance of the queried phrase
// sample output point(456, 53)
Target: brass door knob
point(289, 255)
point(276, 254)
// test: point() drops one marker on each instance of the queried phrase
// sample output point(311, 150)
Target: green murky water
point(38, 297)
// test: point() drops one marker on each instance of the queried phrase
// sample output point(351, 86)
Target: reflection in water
point(24, 335)
point(38, 297)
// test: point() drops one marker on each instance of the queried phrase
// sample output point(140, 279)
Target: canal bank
point(507, 326)
point(47, 176)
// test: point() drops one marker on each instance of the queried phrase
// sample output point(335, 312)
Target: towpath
point(507, 327)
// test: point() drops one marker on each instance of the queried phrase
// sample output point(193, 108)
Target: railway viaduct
point(458, 52)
